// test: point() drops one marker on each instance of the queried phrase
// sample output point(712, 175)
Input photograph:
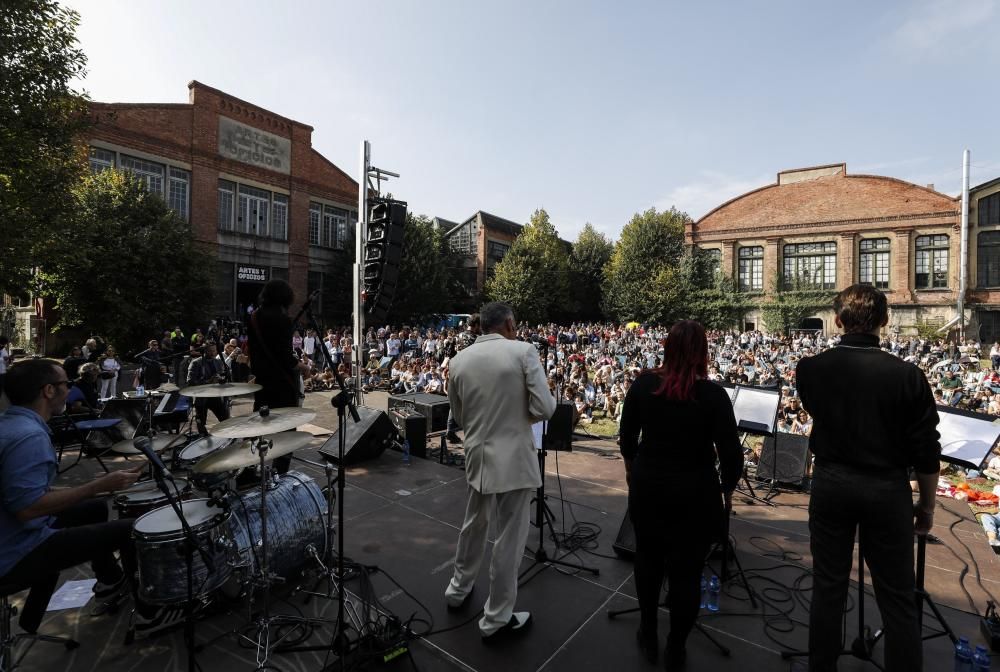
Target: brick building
point(822, 228)
point(250, 183)
point(481, 241)
point(984, 259)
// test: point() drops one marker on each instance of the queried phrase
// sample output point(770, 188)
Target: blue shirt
point(27, 468)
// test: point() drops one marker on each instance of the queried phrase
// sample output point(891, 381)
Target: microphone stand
point(543, 514)
point(189, 547)
point(344, 403)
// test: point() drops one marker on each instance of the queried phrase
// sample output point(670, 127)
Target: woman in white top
point(109, 365)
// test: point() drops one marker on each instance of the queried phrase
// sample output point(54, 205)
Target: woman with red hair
point(674, 424)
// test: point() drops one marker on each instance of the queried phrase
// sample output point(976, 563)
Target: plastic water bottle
point(981, 660)
point(704, 590)
point(406, 451)
point(963, 655)
point(713, 593)
point(140, 391)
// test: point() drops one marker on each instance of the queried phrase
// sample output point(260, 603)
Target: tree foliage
point(128, 266)
point(534, 276)
point(785, 307)
point(642, 280)
point(591, 253)
point(426, 284)
point(709, 296)
point(41, 118)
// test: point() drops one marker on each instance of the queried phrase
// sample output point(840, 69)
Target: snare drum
point(144, 497)
point(190, 454)
point(159, 543)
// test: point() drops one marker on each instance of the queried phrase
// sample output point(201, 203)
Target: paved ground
point(404, 520)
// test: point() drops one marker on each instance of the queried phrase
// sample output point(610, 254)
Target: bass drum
point(296, 519)
point(159, 544)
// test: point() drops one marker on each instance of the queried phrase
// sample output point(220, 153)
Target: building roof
point(499, 223)
point(445, 225)
point(985, 185)
point(824, 195)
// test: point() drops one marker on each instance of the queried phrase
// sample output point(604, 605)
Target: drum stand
point(265, 621)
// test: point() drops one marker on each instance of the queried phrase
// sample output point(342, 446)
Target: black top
point(870, 409)
point(271, 359)
point(682, 436)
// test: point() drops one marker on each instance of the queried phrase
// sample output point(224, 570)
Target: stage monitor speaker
point(410, 426)
point(625, 541)
point(559, 429)
point(365, 440)
point(434, 407)
point(784, 458)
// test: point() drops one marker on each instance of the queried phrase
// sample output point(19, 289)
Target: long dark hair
point(685, 359)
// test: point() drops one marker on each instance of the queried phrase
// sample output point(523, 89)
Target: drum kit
point(233, 541)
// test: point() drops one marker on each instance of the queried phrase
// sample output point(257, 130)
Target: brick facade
point(827, 205)
point(187, 137)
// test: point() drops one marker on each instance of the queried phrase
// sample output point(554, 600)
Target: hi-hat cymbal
point(220, 390)
point(160, 443)
point(167, 387)
point(278, 420)
point(245, 453)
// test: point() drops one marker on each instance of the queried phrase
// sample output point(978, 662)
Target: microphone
point(145, 446)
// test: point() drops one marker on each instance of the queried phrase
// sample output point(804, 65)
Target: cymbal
point(244, 453)
point(167, 387)
point(220, 390)
point(279, 420)
point(160, 443)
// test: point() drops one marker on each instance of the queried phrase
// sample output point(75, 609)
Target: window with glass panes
point(177, 192)
point(315, 221)
point(147, 172)
point(989, 210)
point(101, 159)
point(496, 250)
point(751, 268)
point(332, 218)
point(713, 261)
point(279, 217)
point(254, 206)
point(810, 266)
point(931, 262)
point(227, 208)
point(988, 259)
point(874, 262)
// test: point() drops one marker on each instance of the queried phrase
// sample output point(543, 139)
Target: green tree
point(591, 253)
point(786, 306)
point(709, 296)
point(642, 280)
point(425, 272)
point(534, 275)
point(128, 266)
point(41, 119)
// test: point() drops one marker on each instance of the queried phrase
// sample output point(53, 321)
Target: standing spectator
point(73, 362)
point(497, 392)
point(152, 371)
point(309, 343)
point(110, 366)
point(5, 360)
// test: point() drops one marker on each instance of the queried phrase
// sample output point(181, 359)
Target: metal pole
point(360, 236)
point(963, 263)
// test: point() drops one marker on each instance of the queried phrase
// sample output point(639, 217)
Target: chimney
point(931, 187)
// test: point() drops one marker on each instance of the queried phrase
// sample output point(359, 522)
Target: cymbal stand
point(265, 621)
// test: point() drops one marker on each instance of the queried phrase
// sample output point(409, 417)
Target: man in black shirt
point(874, 418)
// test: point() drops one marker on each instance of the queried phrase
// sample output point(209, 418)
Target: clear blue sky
point(592, 110)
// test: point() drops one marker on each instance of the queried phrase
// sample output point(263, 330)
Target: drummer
point(45, 530)
point(205, 370)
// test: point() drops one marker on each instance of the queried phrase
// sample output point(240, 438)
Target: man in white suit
point(497, 391)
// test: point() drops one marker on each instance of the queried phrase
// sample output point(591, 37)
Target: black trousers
point(675, 520)
point(83, 534)
point(202, 406)
point(845, 499)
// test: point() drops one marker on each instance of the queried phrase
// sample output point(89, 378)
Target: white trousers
point(513, 515)
point(109, 387)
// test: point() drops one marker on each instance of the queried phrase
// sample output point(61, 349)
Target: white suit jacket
point(497, 391)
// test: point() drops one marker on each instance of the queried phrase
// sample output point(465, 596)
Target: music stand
point(756, 412)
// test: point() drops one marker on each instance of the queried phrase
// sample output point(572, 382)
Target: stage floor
point(404, 519)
